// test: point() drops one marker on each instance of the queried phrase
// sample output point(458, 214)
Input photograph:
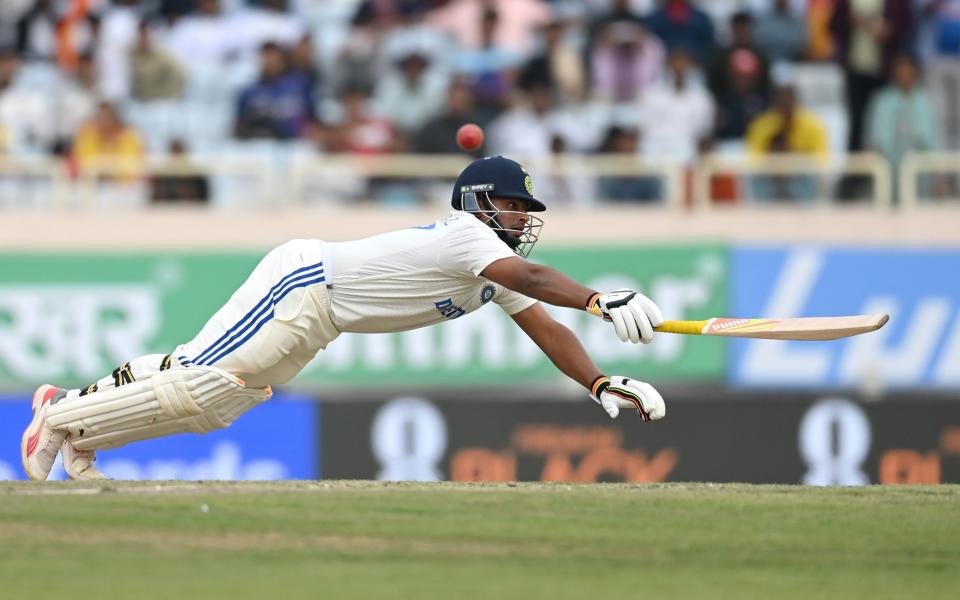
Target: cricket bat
point(797, 328)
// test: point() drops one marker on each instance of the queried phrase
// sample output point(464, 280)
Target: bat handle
point(687, 327)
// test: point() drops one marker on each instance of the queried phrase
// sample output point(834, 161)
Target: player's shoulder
point(459, 218)
point(460, 227)
point(461, 221)
point(452, 221)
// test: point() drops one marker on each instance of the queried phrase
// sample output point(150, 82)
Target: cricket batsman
point(305, 293)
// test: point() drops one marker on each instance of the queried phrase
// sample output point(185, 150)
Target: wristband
point(599, 385)
point(592, 304)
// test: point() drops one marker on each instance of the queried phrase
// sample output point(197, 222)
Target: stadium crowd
point(669, 79)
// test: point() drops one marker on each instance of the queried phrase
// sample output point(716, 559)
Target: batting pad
point(193, 399)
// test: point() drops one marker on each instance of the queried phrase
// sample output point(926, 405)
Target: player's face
point(513, 214)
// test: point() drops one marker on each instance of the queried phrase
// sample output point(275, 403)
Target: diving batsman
point(305, 293)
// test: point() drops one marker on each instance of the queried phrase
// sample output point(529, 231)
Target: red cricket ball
point(469, 137)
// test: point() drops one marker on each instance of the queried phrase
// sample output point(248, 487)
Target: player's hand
point(633, 315)
point(615, 392)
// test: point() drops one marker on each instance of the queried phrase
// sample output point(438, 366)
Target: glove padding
point(633, 315)
point(617, 392)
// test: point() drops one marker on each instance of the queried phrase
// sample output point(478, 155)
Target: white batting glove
point(614, 393)
point(633, 315)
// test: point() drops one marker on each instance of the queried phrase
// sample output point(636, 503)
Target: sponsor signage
point(829, 440)
point(71, 319)
point(919, 289)
point(275, 440)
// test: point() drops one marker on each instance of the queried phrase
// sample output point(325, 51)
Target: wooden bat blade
point(796, 328)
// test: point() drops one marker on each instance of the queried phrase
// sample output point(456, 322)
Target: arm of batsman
point(633, 315)
point(616, 392)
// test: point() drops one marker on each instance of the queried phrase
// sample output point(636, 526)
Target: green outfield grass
point(373, 540)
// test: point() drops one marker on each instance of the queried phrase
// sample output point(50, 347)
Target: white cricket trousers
point(271, 327)
point(274, 324)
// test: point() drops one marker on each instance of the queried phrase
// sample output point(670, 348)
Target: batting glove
point(614, 393)
point(633, 315)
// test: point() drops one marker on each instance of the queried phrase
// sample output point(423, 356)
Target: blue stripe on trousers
point(252, 316)
point(263, 321)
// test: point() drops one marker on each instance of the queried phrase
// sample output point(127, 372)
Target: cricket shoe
point(79, 463)
point(41, 443)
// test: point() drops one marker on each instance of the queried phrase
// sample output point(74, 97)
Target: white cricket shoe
point(41, 443)
point(79, 463)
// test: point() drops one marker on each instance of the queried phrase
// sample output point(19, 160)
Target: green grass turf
point(372, 540)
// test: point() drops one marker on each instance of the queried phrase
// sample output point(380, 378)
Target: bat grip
point(687, 327)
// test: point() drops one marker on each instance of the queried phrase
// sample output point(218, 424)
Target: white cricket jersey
point(416, 277)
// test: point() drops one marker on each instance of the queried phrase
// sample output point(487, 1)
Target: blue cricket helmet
point(499, 177)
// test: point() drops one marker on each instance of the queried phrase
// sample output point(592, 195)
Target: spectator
point(439, 135)
point(520, 20)
point(677, 114)
point(780, 34)
point(268, 21)
point(376, 14)
point(901, 116)
point(303, 63)
point(202, 39)
point(940, 44)
point(557, 66)
point(117, 37)
point(107, 138)
point(679, 23)
point(411, 33)
point(742, 37)
point(37, 32)
point(739, 79)
point(75, 102)
point(280, 105)
point(526, 129)
point(26, 111)
point(356, 62)
point(175, 9)
point(619, 11)
point(50, 31)
point(626, 61)
point(359, 130)
point(786, 128)
point(867, 33)
point(821, 46)
point(382, 32)
point(77, 33)
point(181, 181)
point(490, 68)
point(410, 93)
point(568, 183)
point(11, 12)
point(619, 188)
point(156, 74)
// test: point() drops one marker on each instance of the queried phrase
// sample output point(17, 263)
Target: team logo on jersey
point(528, 183)
point(486, 294)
